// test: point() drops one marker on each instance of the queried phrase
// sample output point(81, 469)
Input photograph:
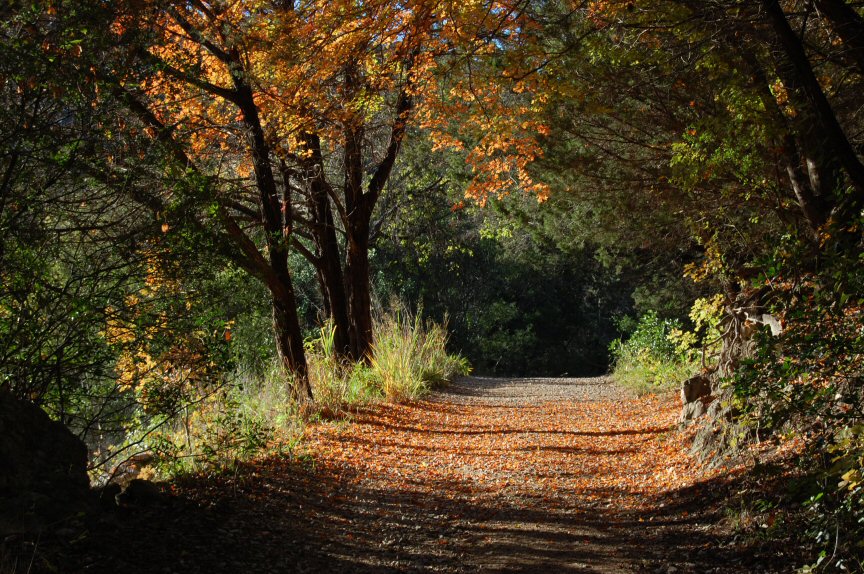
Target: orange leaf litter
point(563, 454)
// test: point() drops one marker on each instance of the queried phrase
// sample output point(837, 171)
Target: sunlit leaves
point(321, 67)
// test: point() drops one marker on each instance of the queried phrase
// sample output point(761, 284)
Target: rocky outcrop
point(695, 388)
point(695, 397)
point(707, 401)
point(43, 468)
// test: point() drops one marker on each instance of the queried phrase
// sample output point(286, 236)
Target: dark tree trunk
point(359, 292)
point(827, 147)
point(277, 219)
point(333, 288)
point(328, 262)
point(289, 344)
point(847, 24)
point(805, 179)
point(813, 207)
point(275, 212)
point(358, 207)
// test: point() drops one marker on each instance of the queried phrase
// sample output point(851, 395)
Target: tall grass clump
point(337, 384)
point(410, 356)
point(651, 359)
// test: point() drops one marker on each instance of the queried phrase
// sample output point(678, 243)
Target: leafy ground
point(493, 475)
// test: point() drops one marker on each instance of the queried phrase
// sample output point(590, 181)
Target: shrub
point(653, 357)
point(248, 417)
point(808, 382)
point(337, 384)
point(251, 414)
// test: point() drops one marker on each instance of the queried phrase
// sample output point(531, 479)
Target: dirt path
point(491, 475)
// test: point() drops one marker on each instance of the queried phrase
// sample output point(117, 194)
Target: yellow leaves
point(133, 368)
point(244, 168)
point(707, 311)
point(850, 480)
point(711, 265)
point(781, 94)
point(116, 331)
point(684, 341)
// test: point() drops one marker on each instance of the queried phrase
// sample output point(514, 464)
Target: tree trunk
point(359, 292)
point(358, 212)
point(847, 24)
point(277, 220)
point(817, 123)
point(328, 262)
point(333, 287)
point(813, 206)
point(289, 345)
point(359, 205)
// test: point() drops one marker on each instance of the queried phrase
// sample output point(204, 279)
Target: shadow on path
point(513, 497)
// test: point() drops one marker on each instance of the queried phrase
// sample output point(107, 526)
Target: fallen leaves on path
point(568, 454)
point(495, 475)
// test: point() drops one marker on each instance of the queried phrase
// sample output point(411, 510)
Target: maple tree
point(261, 106)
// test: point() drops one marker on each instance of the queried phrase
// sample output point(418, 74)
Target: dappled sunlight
point(560, 486)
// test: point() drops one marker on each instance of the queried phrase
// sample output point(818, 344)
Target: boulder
point(695, 388)
point(108, 495)
point(139, 492)
point(692, 411)
point(43, 473)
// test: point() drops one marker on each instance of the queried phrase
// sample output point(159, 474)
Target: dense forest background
point(216, 214)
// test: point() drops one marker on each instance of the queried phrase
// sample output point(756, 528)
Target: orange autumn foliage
point(471, 71)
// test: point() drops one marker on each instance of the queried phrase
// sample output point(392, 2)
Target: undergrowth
point(410, 357)
point(808, 382)
point(650, 360)
point(253, 416)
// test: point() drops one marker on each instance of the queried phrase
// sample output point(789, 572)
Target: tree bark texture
point(328, 260)
point(358, 207)
point(277, 219)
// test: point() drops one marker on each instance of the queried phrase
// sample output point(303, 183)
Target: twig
point(33, 557)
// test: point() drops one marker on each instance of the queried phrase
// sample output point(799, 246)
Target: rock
point(765, 319)
point(108, 495)
point(692, 411)
point(43, 476)
point(715, 410)
point(139, 492)
point(38, 451)
point(695, 388)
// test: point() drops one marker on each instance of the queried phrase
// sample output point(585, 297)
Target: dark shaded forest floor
point(491, 475)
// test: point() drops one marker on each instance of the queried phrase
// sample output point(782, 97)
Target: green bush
point(650, 359)
point(336, 384)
